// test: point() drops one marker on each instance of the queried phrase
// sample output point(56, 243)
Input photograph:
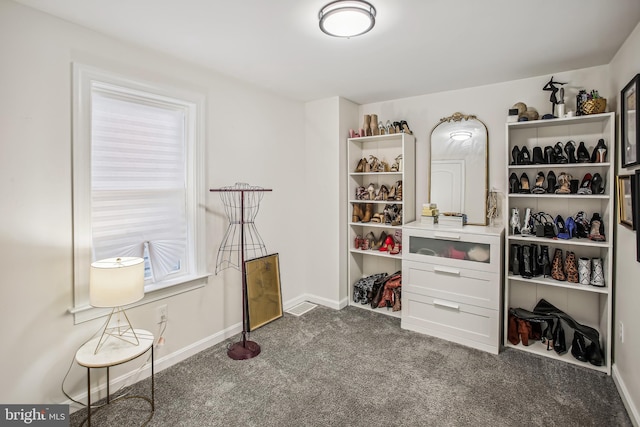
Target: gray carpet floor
point(358, 368)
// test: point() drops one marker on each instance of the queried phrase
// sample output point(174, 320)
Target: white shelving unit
point(589, 305)
point(363, 263)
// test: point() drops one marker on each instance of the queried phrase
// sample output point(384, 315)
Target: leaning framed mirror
point(458, 179)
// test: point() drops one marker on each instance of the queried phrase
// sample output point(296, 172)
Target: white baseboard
point(169, 360)
point(632, 410)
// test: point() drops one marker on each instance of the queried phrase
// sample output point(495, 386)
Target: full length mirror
point(459, 159)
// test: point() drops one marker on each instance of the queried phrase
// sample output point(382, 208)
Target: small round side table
point(114, 352)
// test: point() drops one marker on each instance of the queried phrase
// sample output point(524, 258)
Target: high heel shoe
point(524, 184)
point(515, 153)
point(392, 193)
point(544, 262)
point(585, 186)
point(514, 183)
point(383, 193)
point(564, 184)
point(361, 165)
point(387, 245)
point(397, 240)
point(560, 226)
point(557, 153)
point(599, 154)
point(405, 127)
point(374, 164)
point(398, 127)
point(538, 188)
point(583, 153)
point(597, 228)
point(538, 158)
point(551, 182)
point(570, 149)
point(399, 190)
point(377, 243)
point(372, 191)
point(596, 184)
point(525, 157)
point(389, 128)
point(381, 129)
point(549, 155)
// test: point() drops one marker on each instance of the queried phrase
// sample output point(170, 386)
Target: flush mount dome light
point(344, 18)
point(460, 135)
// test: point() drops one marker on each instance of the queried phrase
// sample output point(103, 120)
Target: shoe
point(514, 222)
point(381, 129)
point(374, 125)
point(570, 149)
point(399, 190)
point(597, 228)
point(584, 271)
point(599, 154)
point(525, 157)
point(574, 185)
point(377, 218)
point(544, 262)
point(524, 184)
point(371, 190)
point(398, 127)
point(538, 158)
point(549, 155)
point(559, 222)
point(594, 354)
point(397, 243)
point(383, 193)
point(571, 267)
point(597, 275)
point(526, 267)
point(389, 128)
point(527, 224)
point(585, 186)
point(366, 125)
point(557, 152)
point(357, 242)
point(524, 330)
point(538, 188)
point(361, 166)
point(392, 193)
point(564, 185)
point(551, 182)
point(514, 183)
point(405, 127)
point(570, 229)
point(512, 331)
point(357, 215)
point(597, 186)
point(368, 212)
point(582, 225)
point(377, 243)
point(374, 164)
point(557, 267)
point(583, 153)
point(578, 347)
point(515, 255)
point(515, 153)
point(387, 245)
point(366, 241)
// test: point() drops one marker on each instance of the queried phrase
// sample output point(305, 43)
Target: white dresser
point(452, 283)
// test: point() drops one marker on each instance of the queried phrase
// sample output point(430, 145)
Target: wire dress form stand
point(241, 242)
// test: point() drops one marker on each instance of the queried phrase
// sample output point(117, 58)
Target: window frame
point(84, 78)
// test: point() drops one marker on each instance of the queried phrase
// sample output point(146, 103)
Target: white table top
point(114, 351)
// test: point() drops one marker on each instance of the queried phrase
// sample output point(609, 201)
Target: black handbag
point(545, 227)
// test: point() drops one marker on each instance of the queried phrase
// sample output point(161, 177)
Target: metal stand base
point(242, 351)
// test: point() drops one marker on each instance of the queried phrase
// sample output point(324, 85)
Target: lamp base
point(243, 350)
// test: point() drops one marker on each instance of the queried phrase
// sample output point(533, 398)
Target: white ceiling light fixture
point(344, 18)
point(460, 135)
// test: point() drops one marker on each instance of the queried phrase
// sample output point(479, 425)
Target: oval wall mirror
point(459, 162)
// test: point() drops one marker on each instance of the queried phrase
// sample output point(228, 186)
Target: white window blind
point(138, 188)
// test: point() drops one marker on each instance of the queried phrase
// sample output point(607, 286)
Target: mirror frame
point(459, 117)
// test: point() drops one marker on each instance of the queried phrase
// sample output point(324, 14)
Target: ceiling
point(417, 46)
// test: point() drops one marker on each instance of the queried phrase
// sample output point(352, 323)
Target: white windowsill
point(87, 312)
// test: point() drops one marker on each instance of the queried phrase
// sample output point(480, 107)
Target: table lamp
point(116, 282)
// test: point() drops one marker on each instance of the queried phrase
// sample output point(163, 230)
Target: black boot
point(515, 153)
point(535, 266)
point(578, 347)
point(559, 340)
point(526, 266)
point(544, 261)
point(515, 256)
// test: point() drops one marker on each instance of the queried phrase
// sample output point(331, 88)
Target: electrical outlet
point(621, 332)
point(162, 313)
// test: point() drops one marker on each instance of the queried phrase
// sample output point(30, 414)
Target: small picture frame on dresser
point(629, 123)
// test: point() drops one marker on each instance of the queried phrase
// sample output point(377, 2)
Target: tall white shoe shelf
point(363, 263)
point(588, 305)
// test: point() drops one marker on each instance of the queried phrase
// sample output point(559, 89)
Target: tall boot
point(515, 256)
point(526, 266)
point(357, 213)
point(366, 125)
point(557, 267)
point(515, 221)
point(368, 212)
point(374, 125)
point(544, 261)
point(571, 267)
point(536, 268)
point(527, 225)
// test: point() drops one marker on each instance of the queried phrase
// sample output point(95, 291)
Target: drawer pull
point(446, 304)
point(448, 236)
point(446, 270)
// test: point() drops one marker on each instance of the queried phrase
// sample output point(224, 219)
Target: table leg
point(89, 397)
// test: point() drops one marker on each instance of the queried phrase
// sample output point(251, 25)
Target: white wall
point(252, 136)
point(624, 66)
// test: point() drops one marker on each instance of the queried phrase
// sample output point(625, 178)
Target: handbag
point(362, 288)
point(545, 227)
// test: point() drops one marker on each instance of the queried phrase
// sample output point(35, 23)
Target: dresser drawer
point(465, 324)
point(455, 248)
point(472, 287)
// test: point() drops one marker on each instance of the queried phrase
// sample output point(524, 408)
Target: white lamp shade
point(114, 282)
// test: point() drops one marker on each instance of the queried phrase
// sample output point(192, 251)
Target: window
point(137, 182)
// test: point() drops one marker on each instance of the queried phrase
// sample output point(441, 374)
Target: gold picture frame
point(264, 296)
point(625, 201)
